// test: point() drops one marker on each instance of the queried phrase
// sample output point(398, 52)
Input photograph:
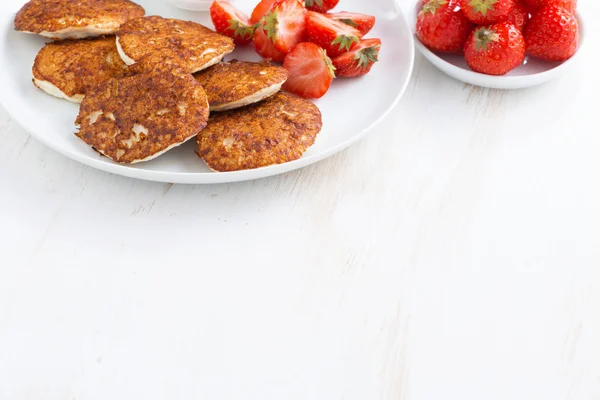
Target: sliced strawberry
point(261, 10)
point(359, 60)
point(321, 5)
point(285, 24)
point(310, 71)
point(333, 36)
point(363, 22)
point(231, 22)
point(265, 47)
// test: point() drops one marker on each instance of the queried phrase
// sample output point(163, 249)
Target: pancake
point(274, 131)
point(190, 45)
point(138, 118)
point(236, 84)
point(70, 69)
point(71, 19)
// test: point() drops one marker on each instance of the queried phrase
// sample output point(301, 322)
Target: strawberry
point(231, 22)
point(495, 49)
point(265, 47)
point(321, 6)
point(261, 10)
point(333, 36)
point(442, 26)
point(486, 12)
point(534, 5)
point(552, 34)
point(310, 71)
point(285, 24)
point(364, 23)
point(359, 60)
point(519, 16)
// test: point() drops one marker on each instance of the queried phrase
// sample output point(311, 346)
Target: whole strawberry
point(552, 34)
point(442, 26)
point(534, 5)
point(495, 49)
point(519, 16)
point(485, 12)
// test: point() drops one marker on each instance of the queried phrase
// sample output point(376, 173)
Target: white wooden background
point(453, 254)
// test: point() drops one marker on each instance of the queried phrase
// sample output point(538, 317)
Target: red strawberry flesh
point(359, 60)
point(333, 36)
point(310, 71)
point(231, 22)
point(285, 24)
point(363, 22)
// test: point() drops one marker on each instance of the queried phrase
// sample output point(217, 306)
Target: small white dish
point(192, 5)
point(533, 72)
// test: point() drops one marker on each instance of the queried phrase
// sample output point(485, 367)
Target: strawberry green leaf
point(329, 63)
point(241, 30)
point(310, 3)
point(483, 37)
point(348, 21)
point(367, 56)
point(482, 6)
point(345, 42)
point(271, 24)
point(432, 5)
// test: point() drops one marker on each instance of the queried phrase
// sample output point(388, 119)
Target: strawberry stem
point(432, 6)
point(367, 56)
point(271, 25)
point(482, 6)
point(484, 37)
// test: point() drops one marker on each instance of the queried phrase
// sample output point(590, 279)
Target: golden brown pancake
point(69, 69)
point(236, 84)
point(75, 19)
point(190, 45)
point(274, 131)
point(140, 117)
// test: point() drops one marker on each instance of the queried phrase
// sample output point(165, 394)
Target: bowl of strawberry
point(503, 44)
point(314, 43)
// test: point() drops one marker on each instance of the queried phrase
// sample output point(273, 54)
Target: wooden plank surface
point(454, 253)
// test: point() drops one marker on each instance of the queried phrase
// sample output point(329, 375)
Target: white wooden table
point(453, 254)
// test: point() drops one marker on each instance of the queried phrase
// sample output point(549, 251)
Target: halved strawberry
point(230, 21)
point(265, 47)
point(321, 5)
point(261, 10)
point(310, 71)
point(285, 24)
point(363, 22)
point(333, 36)
point(359, 60)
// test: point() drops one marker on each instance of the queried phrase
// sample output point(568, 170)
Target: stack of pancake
point(149, 84)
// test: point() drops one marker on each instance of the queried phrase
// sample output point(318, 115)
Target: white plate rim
point(495, 82)
point(212, 177)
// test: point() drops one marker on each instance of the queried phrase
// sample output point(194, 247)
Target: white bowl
point(533, 71)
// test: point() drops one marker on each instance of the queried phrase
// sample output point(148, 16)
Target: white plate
point(350, 110)
point(533, 71)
